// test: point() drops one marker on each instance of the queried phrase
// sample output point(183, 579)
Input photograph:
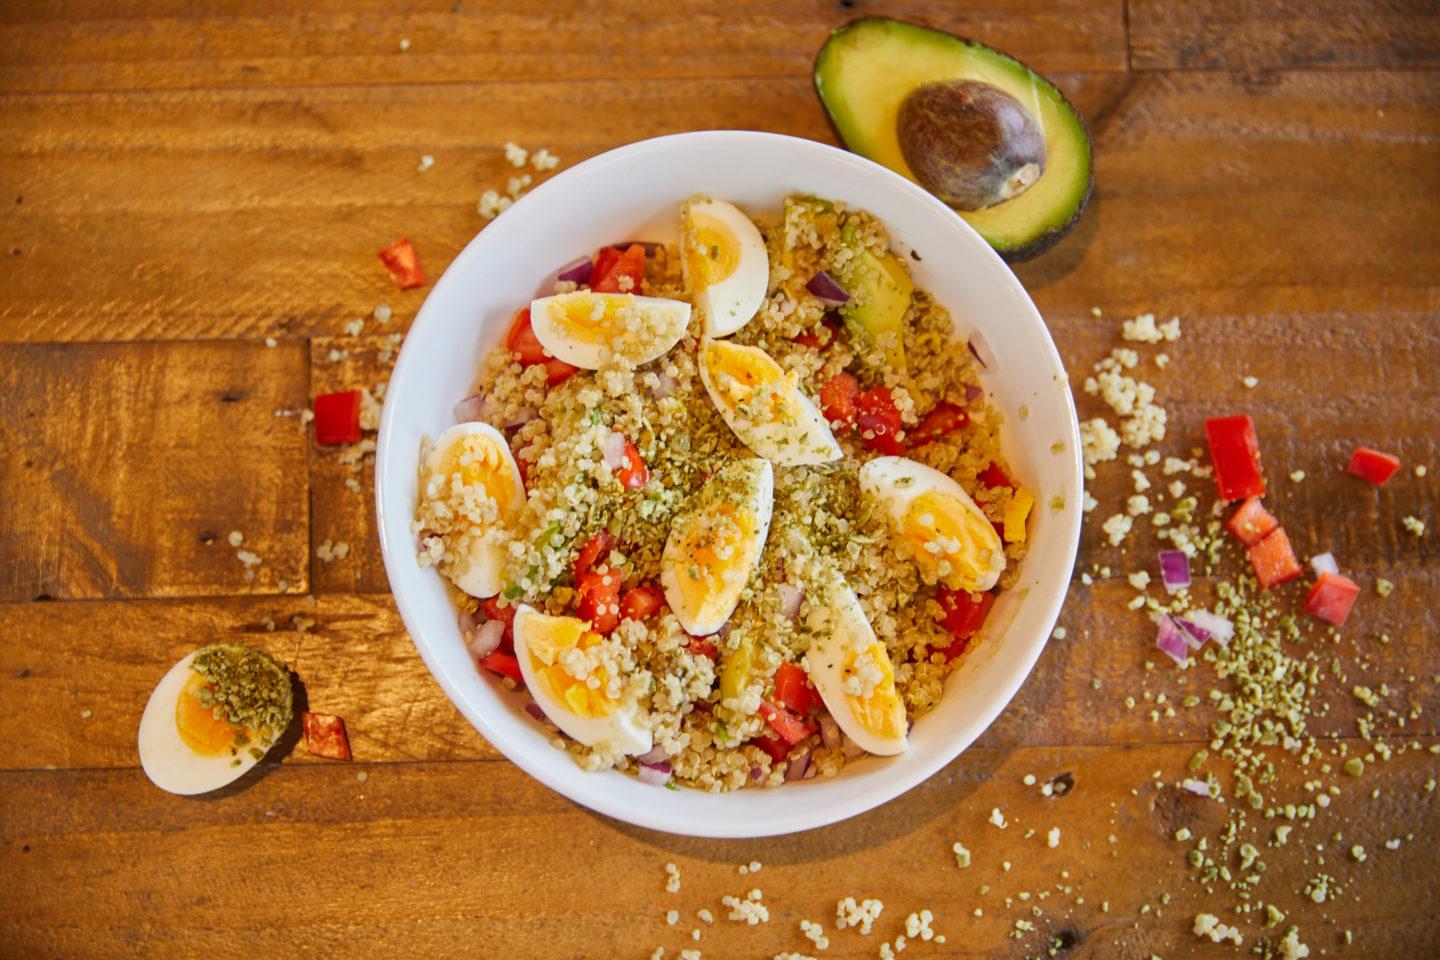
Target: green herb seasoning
point(250, 687)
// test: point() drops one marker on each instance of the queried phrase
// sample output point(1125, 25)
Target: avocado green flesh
point(867, 69)
point(880, 290)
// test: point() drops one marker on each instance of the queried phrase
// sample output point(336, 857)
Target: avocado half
point(868, 67)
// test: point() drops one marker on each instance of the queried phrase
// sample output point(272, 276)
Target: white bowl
point(634, 193)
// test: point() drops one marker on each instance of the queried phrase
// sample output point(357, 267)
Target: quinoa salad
point(728, 511)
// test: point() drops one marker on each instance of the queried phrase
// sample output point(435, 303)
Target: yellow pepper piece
point(1017, 511)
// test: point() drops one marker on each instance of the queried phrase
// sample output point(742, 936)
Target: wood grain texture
point(1282, 34)
point(128, 465)
point(95, 46)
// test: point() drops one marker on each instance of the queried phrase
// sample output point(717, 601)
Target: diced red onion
point(830, 731)
point(757, 774)
point(613, 450)
point(798, 766)
point(665, 385)
point(791, 597)
point(533, 708)
point(1219, 629)
point(1324, 563)
point(980, 349)
point(973, 392)
point(650, 246)
point(1174, 570)
point(473, 407)
point(487, 638)
point(521, 417)
point(577, 272)
point(657, 755)
point(468, 622)
point(852, 750)
point(828, 289)
point(1195, 636)
point(655, 774)
point(1170, 641)
point(810, 771)
point(1198, 787)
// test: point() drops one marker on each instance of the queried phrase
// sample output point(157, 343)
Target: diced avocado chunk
point(735, 670)
point(879, 289)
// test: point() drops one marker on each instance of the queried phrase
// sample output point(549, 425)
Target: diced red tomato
point(525, 347)
point(611, 265)
point(1373, 465)
point(838, 398)
point(1274, 560)
point(523, 466)
point(944, 419)
point(787, 726)
point(703, 647)
point(596, 548)
point(598, 598)
point(794, 690)
point(878, 420)
point(1251, 523)
point(963, 612)
point(495, 610)
point(642, 602)
point(777, 749)
point(325, 735)
point(994, 476)
point(404, 266)
point(558, 371)
point(1331, 597)
point(1235, 452)
point(822, 337)
point(504, 664)
point(634, 474)
point(337, 418)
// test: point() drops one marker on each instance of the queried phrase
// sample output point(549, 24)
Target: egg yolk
point(721, 543)
point(595, 318)
point(712, 251)
point(475, 458)
point(737, 371)
point(547, 638)
point(877, 707)
point(203, 729)
point(944, 529)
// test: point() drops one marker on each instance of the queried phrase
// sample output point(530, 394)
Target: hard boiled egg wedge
point(565, 668)
point(472, 472)
point(589, 330)
point(764, 406)
point(726, 267)
point(714, 545)
point(212, 717)
point(852, 671)
point(954, 541)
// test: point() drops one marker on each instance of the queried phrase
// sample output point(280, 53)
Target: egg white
point(480, 571)
point(663, 321)
point(802, 439)
point(166, 759)
point(620, 728)
point(839, 628)
point(897, 481)
point(731, 302)
point(707, 614)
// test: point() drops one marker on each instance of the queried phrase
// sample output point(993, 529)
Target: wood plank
point(1271, 34)
point(437, 858)
point(100, 46)
point(358, 661)
point(128, 465)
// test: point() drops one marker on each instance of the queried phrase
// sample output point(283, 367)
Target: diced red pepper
point(504, 664)
point(404, 266)
point(495, 610)
point(1251, 523)
point(611, 265)
point(598, 598)
point(642, 602)
point(838, 398)
point(944, 419)
point(995, 476)
point(1274, 560)
point(822, 337)
point(1373, 465)
point(1235, 452)
point(787, 726)
point(596, 548)
point(702, 647)
point(325, 735)
point(523, 466)
point(878, 420)
point(525, 347)
point(794, 690)
point(558, 371)
point(337, 418)
point(634, 474)
point(1331, 597)
point(963, 612)
point(777, 749)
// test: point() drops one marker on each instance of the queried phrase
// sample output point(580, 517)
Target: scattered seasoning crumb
point(672, 917)
point(362, 776)
point(1209, 925)
point(1297, 475)
point(815, 933)
point(329, 552)
point(271, 342)
point(1058, 633)
point(543, 159)
point(860, 915)
point(86, 714)
point(672, 878)
point(354, 328)
point(1383, 586)
point(705, 915)
point(382, 313)
point(997, 818)
point(426, 162)
point(962, 856)
point(1415, 525)
point(1421, 470)
point(236, 538)
point(1052, 839)
point(404, 43)
point(749, 910)
point(1250, 382)
point(1057, 502)
point(515, 155)
point(1357, 852)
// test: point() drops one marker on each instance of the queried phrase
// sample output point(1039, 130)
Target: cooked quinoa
point(821, 523)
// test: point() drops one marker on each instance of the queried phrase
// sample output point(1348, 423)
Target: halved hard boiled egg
point(763, 404)
point(565, 667)
point(727, 270)
point(588, 330)
point(852, 671)
point(714, 546)
point(212, 717)
point(473, 476)
point(954, 541)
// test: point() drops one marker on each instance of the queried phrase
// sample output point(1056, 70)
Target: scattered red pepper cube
point(794, 690)
point(1331, 597)
point(325, 735)
point(598, 599)
point(1274, 560)
point(504, 664)
point(1235, 452)
point(596, 548)
point(1251, 523)
point(611, 265)
point(703, 647)
point(337, 418)
point(642, 602)
point(787, 726)
point(1373, 465)
point(634, 474)
point(777, 749)
point(404, 266)
point(993, 476)
point(878, 420)
point(838, 396)
point(945, 418)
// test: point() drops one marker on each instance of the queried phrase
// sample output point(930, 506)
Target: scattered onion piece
point(1195, 636)
point(980, 349)
point(655, 774)
point(1170, 640)
point(533, 708)
point(1219, 629)
point(1174, 570)
point(973, 392)
point(830, 731)
point(1324, 563)
point(613, 450)
point(654, 758)
point(798, 766)
point(487, 638)
point(1198, 787)
point(577, 272)
point(791, 597)
point(828, 290)
point(473, 407)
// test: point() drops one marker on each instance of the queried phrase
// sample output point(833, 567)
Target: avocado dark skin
point(970, 143)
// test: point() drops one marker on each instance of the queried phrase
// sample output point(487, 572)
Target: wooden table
point(180, 182)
